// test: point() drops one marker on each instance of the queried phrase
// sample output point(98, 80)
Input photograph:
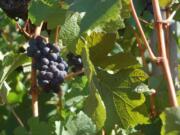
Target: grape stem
point(141, 49)
point(162, 47)
point(34, 88)
point(103, 132)
point(17, 117)
point(72, 75)
point(152, 56)
point(23, 31)
point(57, 34)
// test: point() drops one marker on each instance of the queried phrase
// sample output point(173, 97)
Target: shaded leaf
point(80, 125)
point(94, 106)
point(170, 121)
point(10, 64)
point(97, 13)
point(42, 11)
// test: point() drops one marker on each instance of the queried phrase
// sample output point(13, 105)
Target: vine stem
point(57, 34)
point(167, 35)
point(162, 46)
point(34, 88)
point(103, 132)
point(152, 56)
point(141, 49)
point(17, 117)
point(71, 75)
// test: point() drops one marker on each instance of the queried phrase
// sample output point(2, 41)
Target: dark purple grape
point(53, 56)
point(42, 73)
point(54, 69)
point(55, 63)
point(45, 50)
point(43, 82)
point(75, 62)
point(61, 66)
point(39, 40)
point(60, 76)
point(51, 62)
point(59, 59)
point(45, 61)
point(55, 48)
point(44, 67)
point(79, 61)
point(49, 75)
point(65, 65)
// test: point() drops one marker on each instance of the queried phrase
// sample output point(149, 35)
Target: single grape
point(43, 82)
point(55, 63)
point(54, 69)
point(55, 48)
point(51, 62)
point(65, 65)
point(53, 56)
point(64, 73)
point(79, 61)
point(39, 39)
point(49, 75)
point(61, 66)
point(60, 76)
point(42, 73)
point(45, 50)
point(44, 67)
point(45, 61)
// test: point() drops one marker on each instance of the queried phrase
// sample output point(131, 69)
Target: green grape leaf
point(97, 13)
point(40, 11)
point(80, 125)
point(70, 31)
point(99, 39)
point(128, 106)
point(170, 121)
point(10, 63)
point(20, 131)
point(36, 128)
point(94, 106)
point(101, 45)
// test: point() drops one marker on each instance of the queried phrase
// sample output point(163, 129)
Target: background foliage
point(114, 93)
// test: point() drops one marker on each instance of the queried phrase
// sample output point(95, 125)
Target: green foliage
point(120, 87)
point(170, 121)
point(70, 29)
point(80, 125)
point(113, 95)
point(94, 106)
point(105, 12)
point(53, 14)
point(10, 63)
point(36, 128)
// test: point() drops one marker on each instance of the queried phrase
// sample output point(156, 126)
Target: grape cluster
point(75, 62)
point(52, 69)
